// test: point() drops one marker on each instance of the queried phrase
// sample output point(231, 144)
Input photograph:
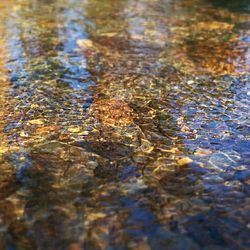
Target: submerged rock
point(184, 161)
point(112, 112)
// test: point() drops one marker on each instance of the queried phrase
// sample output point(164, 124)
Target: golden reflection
point(119, 124)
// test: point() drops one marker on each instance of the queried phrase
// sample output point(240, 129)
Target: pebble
point(84, 43)
point(36, 122)
point(74, 129)
point(184, 161)
point(202, 152)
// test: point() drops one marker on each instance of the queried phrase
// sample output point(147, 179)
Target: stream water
point(124, 124)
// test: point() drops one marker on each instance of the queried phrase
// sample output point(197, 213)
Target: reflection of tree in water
point(45, 73)
point(223, 52)
point(8, 210)
point(134, 55)
point(109, 173)
point(214, 42)
point(130, 73)
point(117, 185)
point(46, 70)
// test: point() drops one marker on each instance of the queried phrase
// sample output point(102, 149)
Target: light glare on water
point(124, 124)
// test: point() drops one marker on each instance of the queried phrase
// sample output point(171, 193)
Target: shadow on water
point(238, 6)
point(102, 109)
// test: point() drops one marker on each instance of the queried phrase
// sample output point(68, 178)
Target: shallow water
point(124, 124)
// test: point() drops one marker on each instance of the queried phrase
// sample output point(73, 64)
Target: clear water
point(124, 124)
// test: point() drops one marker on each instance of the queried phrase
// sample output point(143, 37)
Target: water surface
point(124, 124)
